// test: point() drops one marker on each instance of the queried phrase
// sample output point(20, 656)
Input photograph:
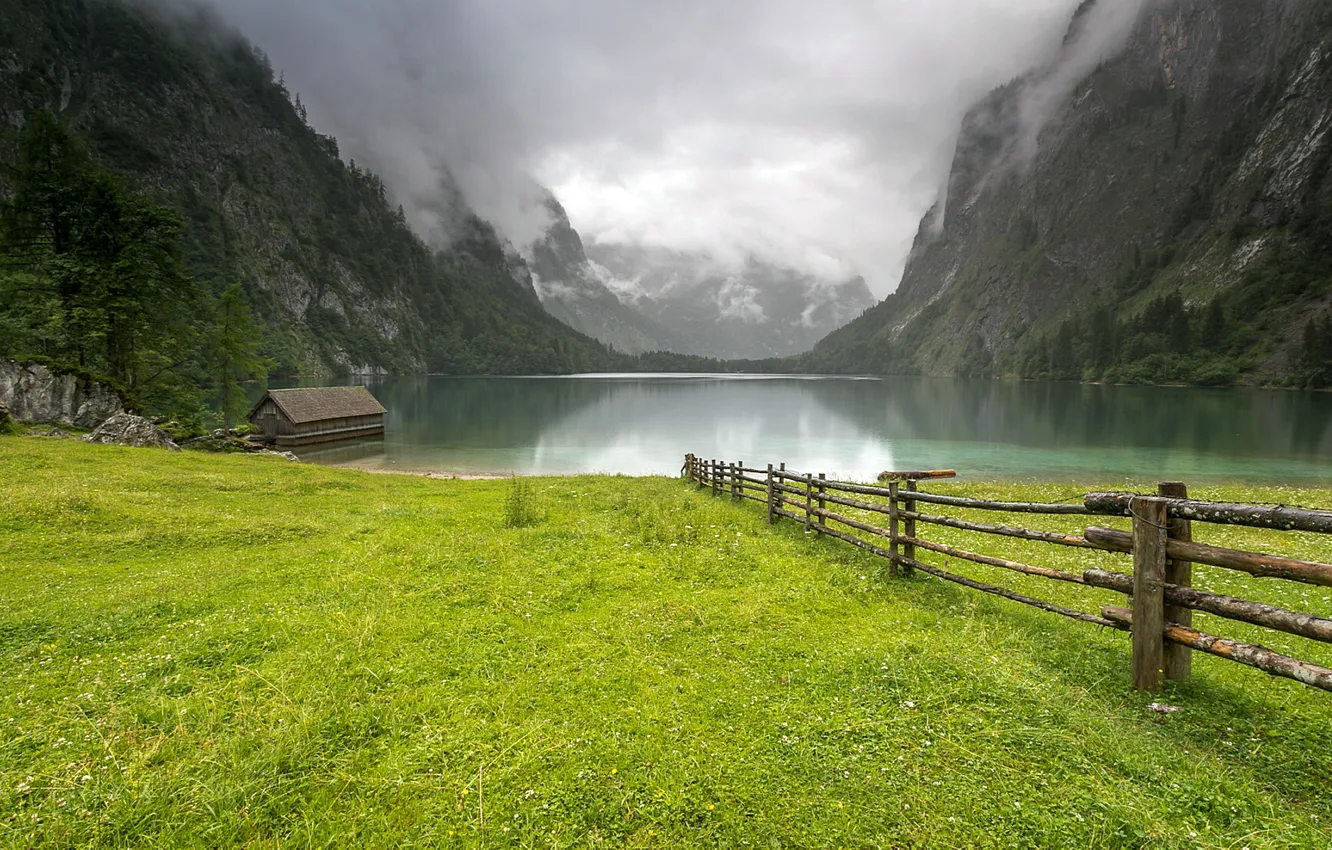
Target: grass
point(205, 651)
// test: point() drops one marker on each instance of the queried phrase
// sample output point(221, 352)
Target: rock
point(288, 455)
point(47, 431)
point(221, 441)
point(35, 393)
point(126, 429)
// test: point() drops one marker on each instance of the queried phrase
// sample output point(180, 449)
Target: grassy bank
point(212, 651)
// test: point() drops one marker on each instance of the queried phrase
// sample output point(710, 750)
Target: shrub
point(520, 510)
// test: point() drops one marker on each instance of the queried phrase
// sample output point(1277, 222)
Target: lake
point(845, 427)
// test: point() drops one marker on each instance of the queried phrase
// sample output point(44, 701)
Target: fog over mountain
point(811, 135)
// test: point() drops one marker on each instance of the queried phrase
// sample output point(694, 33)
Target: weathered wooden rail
point(1162, 599)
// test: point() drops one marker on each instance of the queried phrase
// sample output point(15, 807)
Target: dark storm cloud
point(812, 133)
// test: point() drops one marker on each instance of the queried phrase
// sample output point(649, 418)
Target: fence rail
point(1161, 596)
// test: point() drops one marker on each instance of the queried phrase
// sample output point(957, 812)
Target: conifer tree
point(236, 344)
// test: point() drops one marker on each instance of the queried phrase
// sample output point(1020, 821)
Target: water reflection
point(846, 427)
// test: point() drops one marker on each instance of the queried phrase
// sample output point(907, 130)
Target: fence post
point(823, 503)
point(771, 503)
point(735, 484)
point(1178, 658)
point(909, 549)
point(1150, 527)
point(716, 477)
point(809, 501)
point(896, 565)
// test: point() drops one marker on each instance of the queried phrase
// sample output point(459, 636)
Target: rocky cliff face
point(35, 393)
point(573, 291)
point(1183, 162)
point(640, 299)
point(195, 115)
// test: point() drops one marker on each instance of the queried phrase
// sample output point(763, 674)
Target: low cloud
point(814, 135)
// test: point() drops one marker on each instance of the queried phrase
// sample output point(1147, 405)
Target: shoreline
point(424, 473)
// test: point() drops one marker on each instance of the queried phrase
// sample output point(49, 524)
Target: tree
point(1316, 353)
point(94, 270)
point(235, 346)
point(1214, 329)
point(137, 302)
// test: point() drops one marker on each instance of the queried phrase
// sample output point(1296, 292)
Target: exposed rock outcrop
point(126, 429)
point(36, 393)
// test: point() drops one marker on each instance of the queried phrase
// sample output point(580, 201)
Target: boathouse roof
point(313, 404)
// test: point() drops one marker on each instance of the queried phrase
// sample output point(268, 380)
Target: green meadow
point(217, 651)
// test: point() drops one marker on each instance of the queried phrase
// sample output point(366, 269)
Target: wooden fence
point(1159, 614)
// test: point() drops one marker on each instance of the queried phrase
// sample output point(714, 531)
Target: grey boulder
point(126, 429)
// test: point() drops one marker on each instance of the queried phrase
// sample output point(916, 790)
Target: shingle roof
point(317, 403)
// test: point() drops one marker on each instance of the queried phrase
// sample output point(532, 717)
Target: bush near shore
point(206, 651)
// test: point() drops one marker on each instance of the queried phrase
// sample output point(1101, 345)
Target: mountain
point(1151, 205)
point(574, 292)
point(756, 311)
point(194, 116)
point(639, 299)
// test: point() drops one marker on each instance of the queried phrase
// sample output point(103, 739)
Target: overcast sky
point(814, 133)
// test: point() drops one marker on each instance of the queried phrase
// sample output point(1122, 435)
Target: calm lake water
point(845, 427)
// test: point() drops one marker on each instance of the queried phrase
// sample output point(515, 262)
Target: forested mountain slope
point(195, 117)
point(1161, 214)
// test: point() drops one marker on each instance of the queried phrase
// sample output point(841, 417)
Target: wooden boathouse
point(302, 417)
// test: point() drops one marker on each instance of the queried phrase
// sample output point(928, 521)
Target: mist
point(815, 136)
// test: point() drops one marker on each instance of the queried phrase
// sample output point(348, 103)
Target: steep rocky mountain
point(757, 311)
point(638, 299)
point(1151, 208)
point(575, 292)
point(195, 116)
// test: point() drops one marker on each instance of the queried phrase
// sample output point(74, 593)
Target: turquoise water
point(845, 427)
